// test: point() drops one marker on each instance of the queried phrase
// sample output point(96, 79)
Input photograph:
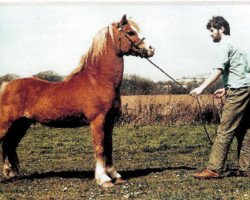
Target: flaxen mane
point(99, 43)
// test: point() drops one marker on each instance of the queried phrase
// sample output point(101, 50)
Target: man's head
point(218, 27)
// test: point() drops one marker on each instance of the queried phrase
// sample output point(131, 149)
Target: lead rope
point(199, 105)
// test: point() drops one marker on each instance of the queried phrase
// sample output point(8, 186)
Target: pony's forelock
point(134, 24)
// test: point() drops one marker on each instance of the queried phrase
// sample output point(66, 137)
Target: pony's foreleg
point(108, 150)
point(101, 176)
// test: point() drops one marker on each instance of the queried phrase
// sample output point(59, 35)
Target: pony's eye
point(131, 33)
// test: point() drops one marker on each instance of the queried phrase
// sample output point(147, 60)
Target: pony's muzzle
point(146, 52)
point(150, 51)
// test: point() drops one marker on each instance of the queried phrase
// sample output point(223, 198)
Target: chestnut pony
point(89, 95)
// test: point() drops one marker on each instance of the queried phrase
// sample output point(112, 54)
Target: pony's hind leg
point(3, 131)
point(9, 144)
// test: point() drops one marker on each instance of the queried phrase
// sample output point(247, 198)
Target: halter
point(133, 44)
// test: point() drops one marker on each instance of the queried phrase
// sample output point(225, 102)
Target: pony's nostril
point(151, 48)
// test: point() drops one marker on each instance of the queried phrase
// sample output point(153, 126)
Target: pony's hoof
point(107, 184)
point(9, 173)
point(119, 181)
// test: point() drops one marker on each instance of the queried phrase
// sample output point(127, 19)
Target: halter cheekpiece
point(120, 53)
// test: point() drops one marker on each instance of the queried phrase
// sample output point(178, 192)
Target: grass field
point(157, 162)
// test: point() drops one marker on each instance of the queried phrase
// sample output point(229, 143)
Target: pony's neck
point(101, 61)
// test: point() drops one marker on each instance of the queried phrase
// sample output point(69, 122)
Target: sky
point(38, 37)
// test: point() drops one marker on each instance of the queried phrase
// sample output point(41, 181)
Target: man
point(235, 120)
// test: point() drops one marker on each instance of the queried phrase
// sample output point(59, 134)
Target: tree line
point(133, 84)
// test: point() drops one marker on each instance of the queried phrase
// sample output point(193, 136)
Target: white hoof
point(8, 172)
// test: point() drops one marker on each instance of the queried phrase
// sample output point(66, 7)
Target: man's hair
point(217, 22)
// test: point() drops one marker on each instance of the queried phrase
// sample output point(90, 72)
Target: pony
point(90, 95)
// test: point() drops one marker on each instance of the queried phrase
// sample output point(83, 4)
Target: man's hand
point(219, 93)
point(196, 92)
point(212, 78)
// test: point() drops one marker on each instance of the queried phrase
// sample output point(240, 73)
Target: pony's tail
point(2, 87)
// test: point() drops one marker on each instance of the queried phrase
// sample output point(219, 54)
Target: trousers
point(235, 122)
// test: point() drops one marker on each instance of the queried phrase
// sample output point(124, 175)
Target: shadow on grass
point(90, 174)
point(144, 172)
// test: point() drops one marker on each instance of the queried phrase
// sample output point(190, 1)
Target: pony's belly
point(67, 122)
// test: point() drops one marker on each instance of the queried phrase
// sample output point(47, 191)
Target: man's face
point(216, 34)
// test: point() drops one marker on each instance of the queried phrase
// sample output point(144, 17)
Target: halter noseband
point(133, 44)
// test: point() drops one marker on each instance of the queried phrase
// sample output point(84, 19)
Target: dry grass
point(169, 109)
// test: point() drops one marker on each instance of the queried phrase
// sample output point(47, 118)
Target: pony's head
point(124, 41)
point(127, 41)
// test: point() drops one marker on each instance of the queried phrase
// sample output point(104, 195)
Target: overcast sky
point(40, 37)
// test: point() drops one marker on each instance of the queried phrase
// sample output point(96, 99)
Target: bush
point(8, 77)
point(135, 85)
point(49, 76)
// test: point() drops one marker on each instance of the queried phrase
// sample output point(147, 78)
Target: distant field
point(156, 161)
point(169, 109)
point(171, 100)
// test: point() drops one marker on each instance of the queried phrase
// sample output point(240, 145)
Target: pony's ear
point(123, 21)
